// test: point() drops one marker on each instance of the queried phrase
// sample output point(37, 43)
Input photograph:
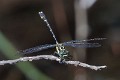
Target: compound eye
point(62, 47)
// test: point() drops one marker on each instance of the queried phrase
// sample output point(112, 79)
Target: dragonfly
point(61, 51)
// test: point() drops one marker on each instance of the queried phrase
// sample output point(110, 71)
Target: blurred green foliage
point(26, 67)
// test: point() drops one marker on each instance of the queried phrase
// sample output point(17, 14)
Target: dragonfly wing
point(82, 45)
point(76, 41)
point(36, 49)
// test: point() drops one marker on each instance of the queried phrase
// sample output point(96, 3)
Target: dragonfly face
point(61, 52)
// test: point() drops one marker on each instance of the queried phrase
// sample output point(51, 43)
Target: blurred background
point(21, 28)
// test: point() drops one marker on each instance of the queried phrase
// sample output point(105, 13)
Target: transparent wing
point(83, 41)
point(82, 45)
point(36, 49)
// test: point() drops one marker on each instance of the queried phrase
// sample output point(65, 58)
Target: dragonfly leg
point(56, 54)
point(61, 60)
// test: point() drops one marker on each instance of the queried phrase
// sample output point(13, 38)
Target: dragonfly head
point(60, 47)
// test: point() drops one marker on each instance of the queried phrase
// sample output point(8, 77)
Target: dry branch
point(51, 57)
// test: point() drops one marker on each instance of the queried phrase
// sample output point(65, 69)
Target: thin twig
point(51, 57)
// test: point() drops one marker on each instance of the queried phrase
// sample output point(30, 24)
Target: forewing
point(83, 41)
point(82, 45)
point(36, 49)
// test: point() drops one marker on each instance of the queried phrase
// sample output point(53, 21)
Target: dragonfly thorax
point(61, 51)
